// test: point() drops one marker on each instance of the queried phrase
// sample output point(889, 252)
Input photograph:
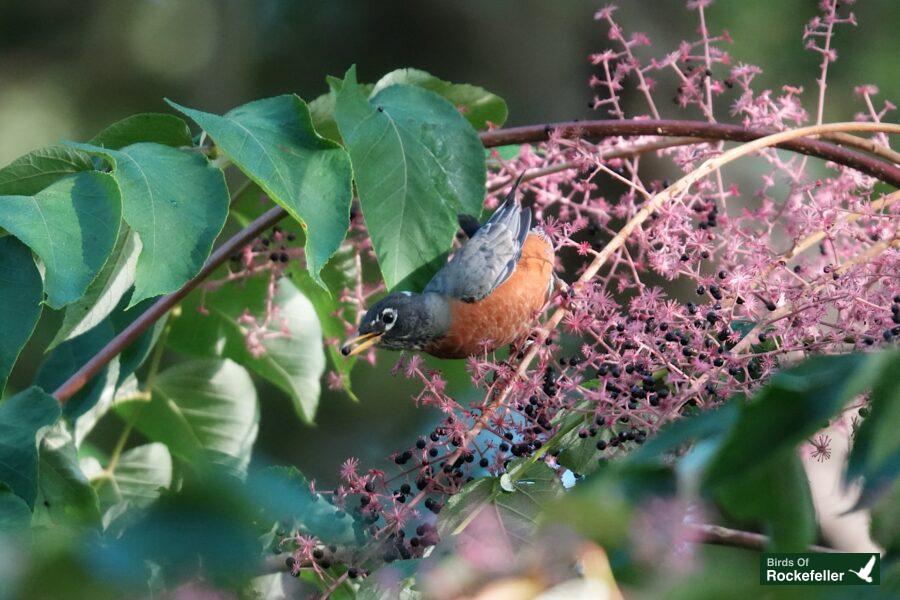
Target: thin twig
point(865, 144)
point(717, 535)
point(131, 333)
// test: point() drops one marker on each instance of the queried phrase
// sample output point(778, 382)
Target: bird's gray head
point(401, 321)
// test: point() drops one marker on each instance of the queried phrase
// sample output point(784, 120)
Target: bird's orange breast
point(506, 313)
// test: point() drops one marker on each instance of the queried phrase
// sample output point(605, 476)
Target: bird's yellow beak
point(365, 341)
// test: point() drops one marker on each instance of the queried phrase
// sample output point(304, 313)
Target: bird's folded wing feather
point(488, 258)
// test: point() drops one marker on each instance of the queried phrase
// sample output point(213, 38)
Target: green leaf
point(14, 513)
point(104, 293)
point(70, 356)
point(200, 409)
point(711, 423)
point(515, 502)
point(476, 104)
point(275, 586)
point(294, 363)
point(577, 454)
point(284, 495)
point(321, 110)
point(775, 493)
point(72, 225)
point(65, 495)
point(273, 142)
point(339, 273)
point(20, 300)
point(789, 409)
point(29, 174)
point(885, 525)
point(137, 477)
point(21, 418)
point(602, 505)
point(391, 582)
point(176, 202)
point(417, 163)
point(158, 128)
point(74, 353)
point(876, 445)
point(208, 522)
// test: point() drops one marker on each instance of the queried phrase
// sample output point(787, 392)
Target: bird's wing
point(489, 257)
point(867, 570)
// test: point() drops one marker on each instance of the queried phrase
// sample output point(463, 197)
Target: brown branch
point(701, 129)
point(131, 333)
point(499, 137)
point(716, 535)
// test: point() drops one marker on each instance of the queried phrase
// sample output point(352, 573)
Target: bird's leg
point(519, 347)
point(560, 286)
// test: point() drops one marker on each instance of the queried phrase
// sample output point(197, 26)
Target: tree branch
point(700, 129)
point(131, 333)
point(498, 137)
point(715, 535)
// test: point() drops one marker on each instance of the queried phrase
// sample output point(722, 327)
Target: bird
point(866, 572)
point(486, 296)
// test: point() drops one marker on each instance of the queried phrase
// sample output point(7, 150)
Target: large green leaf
point(14, 513)
point(294, 362)
point(394, 581)
point(604, 503)
point(209, 521)
point(417, 163)
point(476, 104)
point(137, 477)
point(876, 445)
point(20, 301)
point(176, 202)
point(776, 494)
point(711, 423)
point(75, 352)
point(321, 110)
point(885, 525)
point(514, 500)
point(285, 496)
point(337, 274)
point(200, 409)
point(29, 174)
point(790, 408)
point(72, 225)
point(105, 292)
point(274, 143)
point(21, 419)
point(70, 356)
point(159, 128)
point(65, 494)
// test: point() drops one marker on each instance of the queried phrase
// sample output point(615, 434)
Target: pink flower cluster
point(718, 289)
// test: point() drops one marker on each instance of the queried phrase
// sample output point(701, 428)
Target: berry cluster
point(709, 296)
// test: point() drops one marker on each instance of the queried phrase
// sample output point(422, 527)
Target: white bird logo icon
point(866, 572)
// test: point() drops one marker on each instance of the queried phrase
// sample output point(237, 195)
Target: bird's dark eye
point(388, 317)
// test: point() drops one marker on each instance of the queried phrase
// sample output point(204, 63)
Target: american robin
point(485, 297)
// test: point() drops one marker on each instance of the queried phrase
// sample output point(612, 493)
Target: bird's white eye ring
point(388, 317)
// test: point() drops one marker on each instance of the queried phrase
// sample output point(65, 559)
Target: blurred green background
point(68, 68)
